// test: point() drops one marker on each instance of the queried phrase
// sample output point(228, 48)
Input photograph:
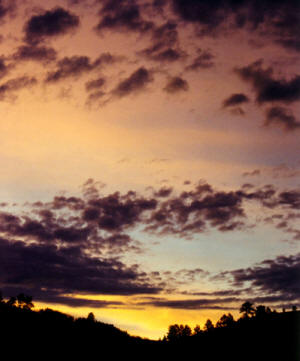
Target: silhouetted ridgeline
point(260, 334)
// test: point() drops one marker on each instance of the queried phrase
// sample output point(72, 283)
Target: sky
point(150, 158)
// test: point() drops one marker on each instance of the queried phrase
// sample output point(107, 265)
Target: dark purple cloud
point(164, 47)
point(282, 117)
point(278, 277)
point(163, 192)
point(95, 84)
point(166, 34)
point(95, 97)
point(254, 173)
point(166, 55)
point(194, 304)
point(59, 270)
point(9, 88)
point(4, 68)
point(48, 24)
point(102, 222)
point(191, 212)
point(70, 67)
point(202, 61)
point(75, 245)
point(176, 84)
point(35, 53)
point(235, 99)
point(266, 87)
point(135, 83)
point(274, 281)
point(277, 20)
point(123, 16)
point(289, 198)
point(53, 296)
point(77, 65)
point(7, 8)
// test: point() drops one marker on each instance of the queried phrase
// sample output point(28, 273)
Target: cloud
point(269, 197)
point(89, 221)
point(290, 43)
point(237, 111)
point(135, 83)
point(278, 20)
point(266, 87)
point(70, 67)
point(278, 277)
point(48, 24)
point(42, 294)
point(166, 34)
point(191, 275)
point(221, 293)
point(118, 213)
point(191, 212)
point(164, 44)
point(235, 99)
point(289, 198)
point(34, 53)
point(163, 192)
point(194, 304)
point(168, 55)
point(66, 270)
point(42, 230)
point(282, 117)
point(8, 89)
point(287, 28)
point(272, 281)
point(74, 245)
point(176, 84)
point(7, 8)
point(124, 16)
point(4, 68)
point(203, 61)
point(77, 65)
point(284, 171)
point(255, 172)
point(71, 301)
point(207, 14)
point(102, 222)
point(95, 84)
point(95, 97)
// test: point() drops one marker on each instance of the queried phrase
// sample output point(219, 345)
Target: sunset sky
point(150, 157)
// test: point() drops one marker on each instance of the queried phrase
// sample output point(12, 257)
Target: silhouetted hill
point(262, 335)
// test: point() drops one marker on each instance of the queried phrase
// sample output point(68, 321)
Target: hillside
point(265, 335)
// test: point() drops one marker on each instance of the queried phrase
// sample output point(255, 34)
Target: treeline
point(250, 315)
point(21, 327)
point(260, 334)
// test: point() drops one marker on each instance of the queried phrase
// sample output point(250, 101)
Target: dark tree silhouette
point(225, 321)
point(208, 325)
point(260, 311)
point(12, 301)
point(247, 309)
point(91, 317)
point(197, 330)
point(177, 332)
point(24, 301)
